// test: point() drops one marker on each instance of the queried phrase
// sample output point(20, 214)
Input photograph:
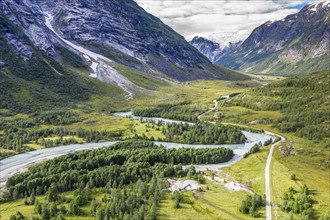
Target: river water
point(18, 163)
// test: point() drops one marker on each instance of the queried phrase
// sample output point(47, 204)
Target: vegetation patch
point(301, 99)
point(203, 134)
point(181, 111)
point(251, 204)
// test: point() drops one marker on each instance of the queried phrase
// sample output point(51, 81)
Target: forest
point(204, 133)
point(138, 200)
point(130, 172)
point(121, 164)
point(17, 134)
point(181, 111)
point(16, 140)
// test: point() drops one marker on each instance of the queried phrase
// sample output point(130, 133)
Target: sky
point(195, 17)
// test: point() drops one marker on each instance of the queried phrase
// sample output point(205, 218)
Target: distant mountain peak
point(317, 5)
point(216, 45)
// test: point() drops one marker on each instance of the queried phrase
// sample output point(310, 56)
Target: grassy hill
point(303, 101)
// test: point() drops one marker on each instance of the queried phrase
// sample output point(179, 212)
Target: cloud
point(191, 18)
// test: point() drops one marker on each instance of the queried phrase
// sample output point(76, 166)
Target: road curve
point(267, 175)
point(268, 162)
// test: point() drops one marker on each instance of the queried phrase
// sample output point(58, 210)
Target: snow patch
point(87, 58)
point(94, 66)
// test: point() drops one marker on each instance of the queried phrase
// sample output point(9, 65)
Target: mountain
point(209, 48)
point(297, 44)
point(31, 80)
point(224, 39)
point(212, 50)
point(119, 30)
point(52, 51)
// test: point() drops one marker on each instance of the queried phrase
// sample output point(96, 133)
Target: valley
point(253, 176)
point(107, 112)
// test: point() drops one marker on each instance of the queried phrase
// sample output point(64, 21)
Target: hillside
point(48, 59)
point(297, 44)
point(303, 100)
point(31, 80)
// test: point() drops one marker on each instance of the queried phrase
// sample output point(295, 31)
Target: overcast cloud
point(191, 18)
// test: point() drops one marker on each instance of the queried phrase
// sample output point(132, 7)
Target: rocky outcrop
point(30, 18)
point(20, 48)
point(296, 44)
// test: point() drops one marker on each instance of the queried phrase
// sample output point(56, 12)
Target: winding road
point(212, 109)
point(268, 163)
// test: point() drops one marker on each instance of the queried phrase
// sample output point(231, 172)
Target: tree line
point(17, 140)
point(203, 134)
point(181, 111)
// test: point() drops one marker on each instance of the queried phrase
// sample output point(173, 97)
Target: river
point(19, 163)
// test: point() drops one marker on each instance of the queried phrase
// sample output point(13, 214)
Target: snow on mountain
point(224, 38)
point(216, 45)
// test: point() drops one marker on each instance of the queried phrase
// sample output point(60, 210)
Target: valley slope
point(297, 44)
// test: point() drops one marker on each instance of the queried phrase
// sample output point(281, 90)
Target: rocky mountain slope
point(209, 48)
point(31, 80)
point(296, 44)
point(212, 50)
point(117, 29)
point(52, 51)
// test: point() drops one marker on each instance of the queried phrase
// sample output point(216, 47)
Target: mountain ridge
point(296, 44)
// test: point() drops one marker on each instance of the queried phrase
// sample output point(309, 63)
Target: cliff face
point(296, 44)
